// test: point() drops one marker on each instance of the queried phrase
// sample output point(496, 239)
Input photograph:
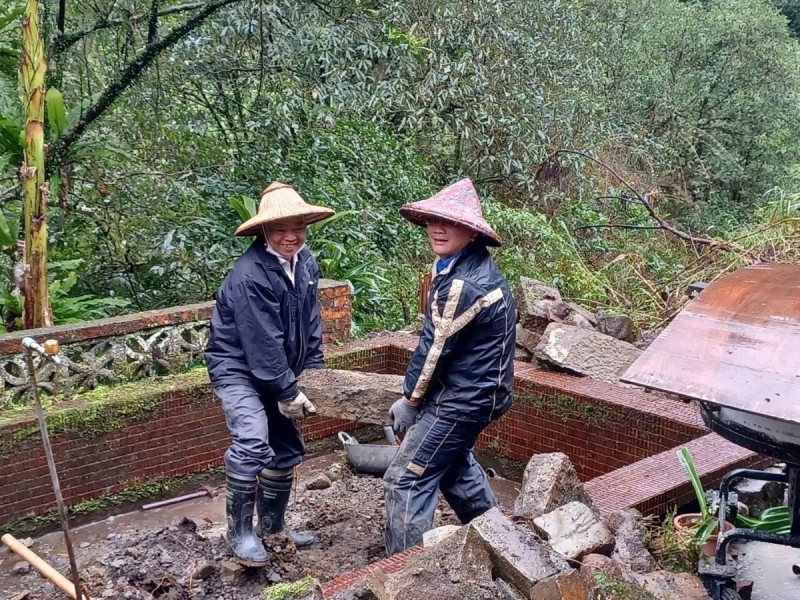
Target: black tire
point(729, 594)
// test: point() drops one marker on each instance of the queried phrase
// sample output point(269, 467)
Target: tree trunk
point(32, 85)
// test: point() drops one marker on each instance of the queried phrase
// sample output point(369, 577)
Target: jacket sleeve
point(258, 323)
point(453, 308)
point(314, 357)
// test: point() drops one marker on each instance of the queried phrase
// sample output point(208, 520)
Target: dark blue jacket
point(264, 330)
point(463, 368)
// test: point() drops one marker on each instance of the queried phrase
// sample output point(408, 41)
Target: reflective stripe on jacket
point(463, 367)
point(264, 330)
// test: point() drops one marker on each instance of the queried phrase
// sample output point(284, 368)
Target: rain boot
point(274, 489)
point(246, 545)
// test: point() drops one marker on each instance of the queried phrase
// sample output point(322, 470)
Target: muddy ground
point(180, 553)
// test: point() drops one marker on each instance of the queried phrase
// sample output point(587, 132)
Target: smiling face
point(286, 237)
point(447, 239)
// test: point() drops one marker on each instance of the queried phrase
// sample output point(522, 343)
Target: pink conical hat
point(458, 203)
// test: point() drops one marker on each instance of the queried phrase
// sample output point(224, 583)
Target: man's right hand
point(297, 409)
point(402, 414)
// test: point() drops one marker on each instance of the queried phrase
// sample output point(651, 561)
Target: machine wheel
point(729, 594)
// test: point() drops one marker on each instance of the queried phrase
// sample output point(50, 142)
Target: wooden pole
point(51, 465)
point(48, 572)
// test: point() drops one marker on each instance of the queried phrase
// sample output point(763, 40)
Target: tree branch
point(124, 80)
point(152, 28)
point(644, 201)
point(617, 226)
point(64, 42)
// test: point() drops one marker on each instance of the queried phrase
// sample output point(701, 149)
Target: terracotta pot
point(684, 529)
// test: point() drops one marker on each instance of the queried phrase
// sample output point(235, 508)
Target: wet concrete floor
point(769, 567)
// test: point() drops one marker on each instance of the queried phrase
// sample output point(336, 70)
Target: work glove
point(297, 409)
point(403, 415)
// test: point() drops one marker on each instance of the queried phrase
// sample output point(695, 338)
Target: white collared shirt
point(288, 267)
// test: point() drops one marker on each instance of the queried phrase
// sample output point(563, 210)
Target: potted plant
point(700, 527)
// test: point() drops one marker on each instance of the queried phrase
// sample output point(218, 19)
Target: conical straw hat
point(458, 203)
point(280, 201)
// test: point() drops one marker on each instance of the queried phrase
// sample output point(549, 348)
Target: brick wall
point(334, 302)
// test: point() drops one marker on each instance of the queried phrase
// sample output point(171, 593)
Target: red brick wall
point(334, 301)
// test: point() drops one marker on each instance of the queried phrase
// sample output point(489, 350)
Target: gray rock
point(549, 481)
point(204, 571)
point(27, 542)
point(592, 564)
point(574, 530)
point(580, 316)
point(629, 545)
point(522, 355)
point(617, 326)
point(436, 535)
point(21, 568)
point(23, 595)
point(585, 352)
point(665, 585)
point(318, 481)
point(538, 304)
point(527, 339)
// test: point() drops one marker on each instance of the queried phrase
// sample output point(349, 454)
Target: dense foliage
point(367, 105)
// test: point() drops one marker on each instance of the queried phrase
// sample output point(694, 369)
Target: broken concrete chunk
point(629, 544)
point(617, 326)
point(538, 304)
point(574, 530)
point(563, 586)
point(527, 340)
point(517, 554)
point(550, 481)
point(665, 585)
point(585, 352)
point(434, 536)
point(363, 397)
point(592, 564)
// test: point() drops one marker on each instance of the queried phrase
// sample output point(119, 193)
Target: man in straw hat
point(460, 376)
point(265, 330)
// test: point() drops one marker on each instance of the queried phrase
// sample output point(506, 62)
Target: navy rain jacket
point(463, 368)
point(264, 330)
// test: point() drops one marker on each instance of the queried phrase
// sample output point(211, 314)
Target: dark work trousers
point(261, 435)
point(435, 454)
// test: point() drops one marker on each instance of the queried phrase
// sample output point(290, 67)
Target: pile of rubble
point(567, 336)
point(554, 547)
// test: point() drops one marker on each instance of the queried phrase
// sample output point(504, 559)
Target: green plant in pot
point(700, 527)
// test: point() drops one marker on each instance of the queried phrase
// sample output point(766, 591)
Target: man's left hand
point(403, 415)
point(297, 409)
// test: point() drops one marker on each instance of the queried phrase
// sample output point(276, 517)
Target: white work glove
point(297, 409)
point(403, 415)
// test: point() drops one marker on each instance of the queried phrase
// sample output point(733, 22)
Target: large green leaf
point(685, 458)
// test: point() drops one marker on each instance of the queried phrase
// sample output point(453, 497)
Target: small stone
point(165, 558)
point(118, 563)
point(274, 577)
point(84, 545)
point(27, 542)
point(23, 595)
point(21, 568)
point(617, 326)
point(319, 481)
point(231, 573)
point(204, 571)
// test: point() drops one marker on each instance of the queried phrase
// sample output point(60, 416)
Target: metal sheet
point(737, 344)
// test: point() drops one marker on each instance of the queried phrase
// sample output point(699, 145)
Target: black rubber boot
point(246, 545)
point(274, 489)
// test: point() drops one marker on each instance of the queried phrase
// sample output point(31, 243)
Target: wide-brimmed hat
point(280, 201)
point(459, 204)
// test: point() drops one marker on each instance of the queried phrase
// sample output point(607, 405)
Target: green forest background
point(623, 149)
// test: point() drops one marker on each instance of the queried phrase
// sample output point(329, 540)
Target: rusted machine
point(735, 349)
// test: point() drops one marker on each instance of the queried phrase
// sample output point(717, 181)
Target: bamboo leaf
point(8, 237)
point(705, 530)
point(56, 114)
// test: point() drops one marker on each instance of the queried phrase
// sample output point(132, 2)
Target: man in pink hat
point(460, 376)
point(265, 330)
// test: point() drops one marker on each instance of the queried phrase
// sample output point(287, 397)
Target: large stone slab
point(665, 585)
point(564, 586)
point(549, 481)
point(518, 555)
point(585, 351)
point(538, 304)
point(352, 395)
point(574, 530)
